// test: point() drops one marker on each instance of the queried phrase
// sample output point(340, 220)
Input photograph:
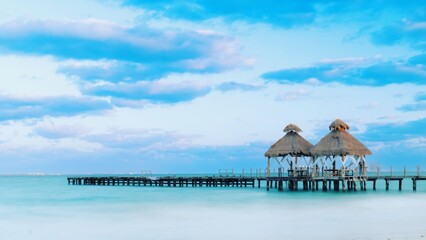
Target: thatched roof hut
point(291, 144)
point(339, 142)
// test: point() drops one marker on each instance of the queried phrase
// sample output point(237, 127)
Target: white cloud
point(293, 95)
point(51, 131)
point(75, 9)
point(312, 81)
point(374, 104)
point(19, 137)
point(33, 76)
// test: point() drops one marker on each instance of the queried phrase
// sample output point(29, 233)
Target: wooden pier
point(292, 183)
point(166, 181)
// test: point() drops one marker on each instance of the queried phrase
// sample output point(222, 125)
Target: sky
point(121, 86)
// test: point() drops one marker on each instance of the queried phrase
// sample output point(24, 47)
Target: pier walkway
point(292, 183)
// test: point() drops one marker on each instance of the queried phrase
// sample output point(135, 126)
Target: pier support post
point(387, 184)
point(414, 184)
point(374, 185)
point(336, 185)
point(400, 185)
point(280, 185)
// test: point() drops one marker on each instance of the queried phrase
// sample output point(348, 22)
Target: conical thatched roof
point(339, 142)
point(292, 127)
point(338, 124)
point(291, 144)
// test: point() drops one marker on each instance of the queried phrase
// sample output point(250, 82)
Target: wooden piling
point(267, 185)
point(280, 186)
point(414, 184)
point(336, 185)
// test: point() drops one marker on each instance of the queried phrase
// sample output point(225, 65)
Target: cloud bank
point(365, 73)
point(123, 52)
point(16, 108)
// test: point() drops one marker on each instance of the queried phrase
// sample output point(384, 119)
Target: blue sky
point(118, 86)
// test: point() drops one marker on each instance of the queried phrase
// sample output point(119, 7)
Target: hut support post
point(296, 164)
point(268, 172)
point(364, 166)
point(334, 167)
point(268, 168)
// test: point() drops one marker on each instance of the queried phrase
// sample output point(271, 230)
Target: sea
point(47, 208)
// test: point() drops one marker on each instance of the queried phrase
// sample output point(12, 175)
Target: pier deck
point(337, 183)
point(165, 181)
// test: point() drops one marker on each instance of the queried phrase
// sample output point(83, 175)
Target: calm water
point(45, 207)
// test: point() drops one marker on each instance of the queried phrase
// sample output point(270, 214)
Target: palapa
point(339, 142)
point(291, 144)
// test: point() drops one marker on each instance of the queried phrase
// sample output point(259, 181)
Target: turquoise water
point(45, 207)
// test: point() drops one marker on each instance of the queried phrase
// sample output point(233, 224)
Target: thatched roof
point(291, 144)
point(292, 127)
point(338, 124)
point(339, 142)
